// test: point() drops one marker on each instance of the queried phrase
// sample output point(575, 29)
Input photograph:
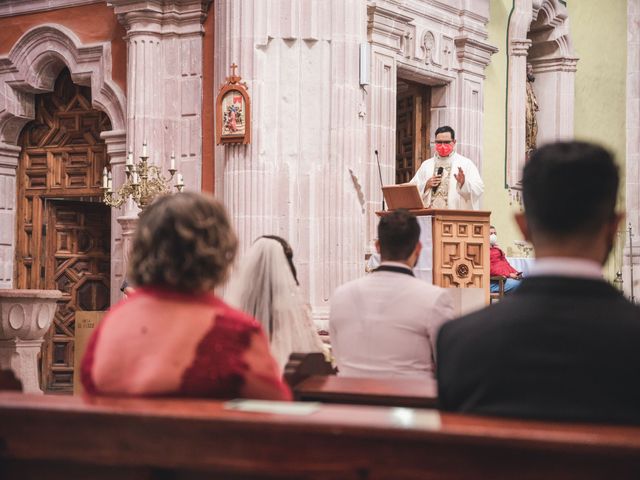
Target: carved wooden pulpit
point(459, 248)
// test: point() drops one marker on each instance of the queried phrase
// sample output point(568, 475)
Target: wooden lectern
point(460, 240)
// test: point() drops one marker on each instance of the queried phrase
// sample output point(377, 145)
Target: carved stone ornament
point(233, 107)
point(428, 44)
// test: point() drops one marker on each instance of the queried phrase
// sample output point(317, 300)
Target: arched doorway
point(63, 228)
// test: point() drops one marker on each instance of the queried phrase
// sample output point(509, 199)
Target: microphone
point(440, 170)
point(380, 173)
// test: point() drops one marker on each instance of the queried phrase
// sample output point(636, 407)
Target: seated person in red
point(500, 267)
point(172, 336)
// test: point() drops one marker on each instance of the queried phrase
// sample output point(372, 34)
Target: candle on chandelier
point(173, 162)
point(180, 181)
point(109, 182)
point(134, 178)
point(144, 149)
point(129, 159)
point(104, 177)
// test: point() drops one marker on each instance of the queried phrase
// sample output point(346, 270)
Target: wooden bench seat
point(69, 438)
point(390, 392)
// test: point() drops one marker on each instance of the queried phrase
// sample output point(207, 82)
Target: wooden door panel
point(412, 129)
point(405, 127)
point(78, 266)
point(63, 244)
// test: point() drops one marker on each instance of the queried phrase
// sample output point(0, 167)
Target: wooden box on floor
point(86, 322)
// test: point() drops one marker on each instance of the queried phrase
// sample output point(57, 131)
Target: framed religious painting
point(233, 111)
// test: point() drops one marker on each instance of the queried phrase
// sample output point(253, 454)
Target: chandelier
point(143, 182)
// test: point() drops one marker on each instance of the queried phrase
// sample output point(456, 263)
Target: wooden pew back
point(71, 438)
point(390, 392)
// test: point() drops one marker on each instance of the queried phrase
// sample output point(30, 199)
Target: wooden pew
point(69, 438)
point(390, 392)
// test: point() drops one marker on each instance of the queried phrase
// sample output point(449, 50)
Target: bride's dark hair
point(288, 252)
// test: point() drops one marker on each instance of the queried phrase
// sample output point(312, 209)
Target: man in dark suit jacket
point(566, 344)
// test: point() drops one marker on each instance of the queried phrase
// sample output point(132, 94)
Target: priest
point(448, 180)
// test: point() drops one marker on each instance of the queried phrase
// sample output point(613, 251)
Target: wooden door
point(62, 158)
point(78, 264)
point(412, 129)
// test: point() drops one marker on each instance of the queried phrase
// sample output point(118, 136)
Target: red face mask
point(444, 149)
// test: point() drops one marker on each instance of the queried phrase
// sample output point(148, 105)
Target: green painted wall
point(496, 197)
point(599, 39)
point(599, 34)
point(598, 31)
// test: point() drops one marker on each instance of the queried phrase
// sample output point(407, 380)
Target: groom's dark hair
point(570, 188)
point(398, 234)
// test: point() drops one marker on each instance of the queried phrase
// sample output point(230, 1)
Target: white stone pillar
point(555, 117)
point(632, 176)
point(381, 125)
point(164, 81)
point(300, 61)
point(116, 151)
point(25, 316)
point(473, 56)
point(127, 226)
point(164, 102)
point(8, 165)
point(516, 109)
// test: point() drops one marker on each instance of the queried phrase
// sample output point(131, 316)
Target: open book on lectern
point(403, 195)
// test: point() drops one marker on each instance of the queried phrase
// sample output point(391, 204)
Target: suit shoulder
point(469, 323)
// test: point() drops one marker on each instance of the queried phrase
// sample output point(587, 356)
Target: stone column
point(164, 99)
point(25, 316)
point(381, 124)
point(516, 113)
point(555, 117)
point(633, 149)
point(8, 165)
point(300, 61)
point(164, 81)
point(473, 56)
point(116, 151)
point(387, 32)
point(127, 227)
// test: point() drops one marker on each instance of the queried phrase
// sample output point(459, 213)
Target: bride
point(265, 285)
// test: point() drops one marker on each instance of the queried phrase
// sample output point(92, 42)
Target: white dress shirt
point(385, 324)
point(566, 267)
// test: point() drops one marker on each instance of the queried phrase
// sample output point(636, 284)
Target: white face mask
point(493, 239)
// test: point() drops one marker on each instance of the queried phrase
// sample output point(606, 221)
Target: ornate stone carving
point(473, 53)
point(33, 64)
point(428, 46)
point(447, 52)
point(539, 33)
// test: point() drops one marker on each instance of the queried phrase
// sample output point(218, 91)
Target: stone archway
point(31, 67)
point(538, 33)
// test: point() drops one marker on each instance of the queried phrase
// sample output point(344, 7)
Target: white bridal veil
point(263, 286)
